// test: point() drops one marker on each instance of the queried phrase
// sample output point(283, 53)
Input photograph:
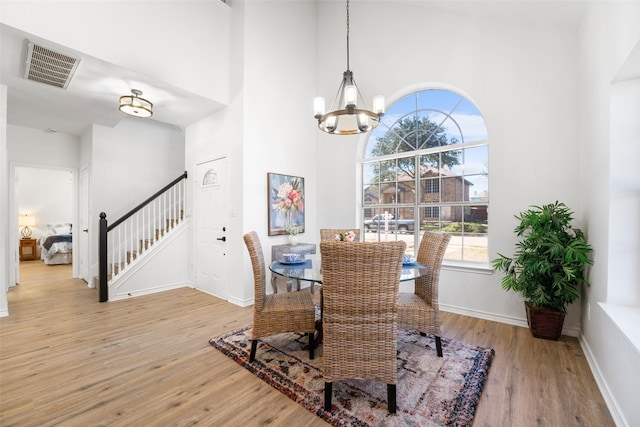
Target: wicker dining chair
point(419, 311)
point(329, 233)
point(360, 314)
point(277, 313)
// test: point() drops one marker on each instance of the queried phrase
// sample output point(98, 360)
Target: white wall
point(624, 205)
point(28, 146)
point(522, 77)
point(608, 34)
point(268, 126)
point(6, 261)
point(184, 43)
point(221, 135)
point(129, 163)
point(35, 148)
point(46, 194)
point(280, 134)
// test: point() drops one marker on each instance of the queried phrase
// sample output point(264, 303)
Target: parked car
point(378, 223)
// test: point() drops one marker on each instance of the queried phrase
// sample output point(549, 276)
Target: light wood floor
point(66, 359)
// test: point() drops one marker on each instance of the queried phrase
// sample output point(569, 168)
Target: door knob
point(86, 230)
point(223, 238)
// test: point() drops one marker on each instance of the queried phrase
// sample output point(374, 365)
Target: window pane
point(388, 193)
point(374, 135)
point(430, 132)
point(371, 195)
point(406, 192)
point(470, 121)
point(430, 190)
point(447, 190)
point(477, 188)
point(439, 99)
point(476, 160)
point(370, 173)
point(476, 229)
point(390, 224)
point(399, 109)
point(430, 178)
point(387, 171)
point(407, 169)
point(430, 218)
point(430, 165)
point(452, 132)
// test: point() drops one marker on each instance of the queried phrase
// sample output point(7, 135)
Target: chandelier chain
point(348, 35)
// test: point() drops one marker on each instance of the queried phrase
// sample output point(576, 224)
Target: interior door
point(83, 232)
point(211, 221)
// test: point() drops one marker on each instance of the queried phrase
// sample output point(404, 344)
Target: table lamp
point(25, 221)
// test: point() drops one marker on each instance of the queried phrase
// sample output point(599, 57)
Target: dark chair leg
point(391, 398)
point(254, 346)
point(327, 396)
point(312, 337)
point(439, 346)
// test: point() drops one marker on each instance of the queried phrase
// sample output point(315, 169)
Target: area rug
point(431, 390)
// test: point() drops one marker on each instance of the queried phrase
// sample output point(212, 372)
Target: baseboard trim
point(509, 320)
point(241, 303)
point(148, 291)
point(609, 400)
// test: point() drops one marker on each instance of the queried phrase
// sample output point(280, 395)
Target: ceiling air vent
point(47, 66)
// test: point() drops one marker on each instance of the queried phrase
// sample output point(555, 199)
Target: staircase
point(133, 237)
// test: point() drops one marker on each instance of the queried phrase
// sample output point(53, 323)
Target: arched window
point(426, 167)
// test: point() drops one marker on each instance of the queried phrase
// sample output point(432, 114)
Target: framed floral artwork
point(285, 195)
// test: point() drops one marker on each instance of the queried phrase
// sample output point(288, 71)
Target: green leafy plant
point(548, 265)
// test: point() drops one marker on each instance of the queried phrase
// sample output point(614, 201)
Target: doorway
point(211, 207)
point(48, 196)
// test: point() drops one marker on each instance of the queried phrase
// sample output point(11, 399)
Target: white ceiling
point(93, 93)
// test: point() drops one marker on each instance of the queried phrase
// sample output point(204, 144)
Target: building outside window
point(426, 167)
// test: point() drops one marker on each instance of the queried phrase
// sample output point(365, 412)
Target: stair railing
point(135, 232)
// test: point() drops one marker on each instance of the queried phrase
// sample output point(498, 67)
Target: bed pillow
point(59, 228)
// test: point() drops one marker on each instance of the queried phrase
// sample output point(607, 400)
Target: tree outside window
point(426, 168)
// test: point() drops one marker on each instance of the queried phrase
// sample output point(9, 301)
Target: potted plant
point(547, 267)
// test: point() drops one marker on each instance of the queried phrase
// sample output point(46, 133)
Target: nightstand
point(28, 250)
point(276, 254)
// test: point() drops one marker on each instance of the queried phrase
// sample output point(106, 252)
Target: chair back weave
point(430, 254)
point(360, 294)
point(252, 241)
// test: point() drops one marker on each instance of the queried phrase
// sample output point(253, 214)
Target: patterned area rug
point(431, 390)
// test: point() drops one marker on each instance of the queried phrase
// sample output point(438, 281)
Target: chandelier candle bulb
point(331, 123)
point(378, 105)
point(318, 107)
point(350, 96)
point(363, 122)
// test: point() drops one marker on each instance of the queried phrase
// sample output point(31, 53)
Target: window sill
point(626, 319)
point(468, 267)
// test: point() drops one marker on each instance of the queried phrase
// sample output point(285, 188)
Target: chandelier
point(344, 116)
point(133, 105)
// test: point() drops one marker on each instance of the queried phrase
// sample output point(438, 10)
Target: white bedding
point(57, 252)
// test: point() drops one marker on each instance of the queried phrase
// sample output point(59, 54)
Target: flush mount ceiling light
point(133, 105)
point(344, 116)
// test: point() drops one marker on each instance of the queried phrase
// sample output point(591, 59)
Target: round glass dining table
point(309, 269)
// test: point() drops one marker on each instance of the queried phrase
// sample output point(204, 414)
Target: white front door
point(211, 194)
point(83, 232)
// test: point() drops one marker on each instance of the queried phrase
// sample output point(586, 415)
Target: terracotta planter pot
point(544, 322)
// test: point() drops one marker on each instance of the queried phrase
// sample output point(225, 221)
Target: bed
point(56, 245)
